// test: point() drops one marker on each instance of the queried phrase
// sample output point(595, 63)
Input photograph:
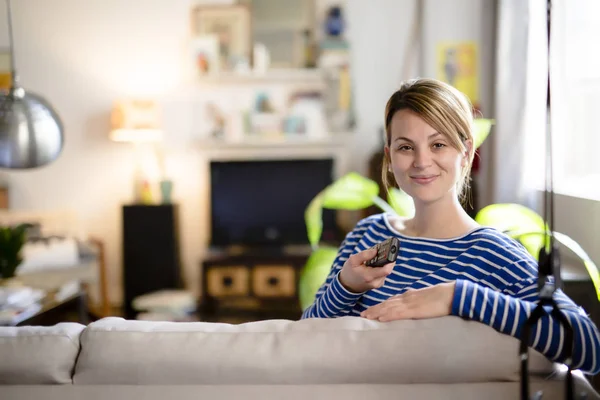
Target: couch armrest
point(39, 355)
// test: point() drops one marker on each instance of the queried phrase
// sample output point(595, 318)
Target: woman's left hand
point(430, 302)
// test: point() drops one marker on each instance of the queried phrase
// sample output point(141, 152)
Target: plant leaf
point(591, 267)
point(351, 192)
point(313, 218)
point(481, 130)
point(401, 202)
point(572, 245)
point(508, 217)
point(314, 274)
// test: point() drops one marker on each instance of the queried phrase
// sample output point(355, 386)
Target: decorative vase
point(166, 190)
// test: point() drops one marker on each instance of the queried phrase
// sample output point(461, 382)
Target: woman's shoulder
point(497, 245)
point(366, 233)
point(374, 228)
point(375, 222)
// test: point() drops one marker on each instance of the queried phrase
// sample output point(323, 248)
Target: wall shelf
point(336, 146)
point(271, 76)
point(335, 140)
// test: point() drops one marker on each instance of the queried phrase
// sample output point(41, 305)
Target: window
point(575, 91)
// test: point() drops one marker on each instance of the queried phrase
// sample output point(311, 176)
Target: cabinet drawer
point(228, 281)
point(274, 281)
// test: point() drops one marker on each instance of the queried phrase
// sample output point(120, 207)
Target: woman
point(447, 264)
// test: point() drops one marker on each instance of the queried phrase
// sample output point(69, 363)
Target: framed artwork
point(5, 70)
point(457, 66)
point(231, 25)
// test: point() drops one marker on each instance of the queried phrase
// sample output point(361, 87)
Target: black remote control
point(387, 251)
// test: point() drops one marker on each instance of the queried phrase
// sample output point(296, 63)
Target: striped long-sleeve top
point(496, 284)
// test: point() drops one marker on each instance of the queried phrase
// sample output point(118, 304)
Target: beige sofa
point(345, 358)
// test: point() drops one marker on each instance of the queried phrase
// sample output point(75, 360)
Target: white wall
point(82, 55)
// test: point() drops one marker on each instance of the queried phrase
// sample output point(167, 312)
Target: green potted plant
point(12, 239)
point(528, 227)
point(355, 192)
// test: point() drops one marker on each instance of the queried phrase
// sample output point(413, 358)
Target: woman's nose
point(422, 159)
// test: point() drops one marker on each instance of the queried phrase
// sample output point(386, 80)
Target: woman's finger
point(376, 273)
point(362, 257)
point(399, 311)
point(372, 312)
point(375, 311)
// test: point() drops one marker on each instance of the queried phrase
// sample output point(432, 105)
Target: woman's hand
point(356, 277)
point(430, 302)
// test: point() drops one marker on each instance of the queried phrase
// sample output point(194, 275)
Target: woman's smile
point(423, 179)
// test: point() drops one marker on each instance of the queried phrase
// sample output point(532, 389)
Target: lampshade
point(31, 133)
point(135, 120)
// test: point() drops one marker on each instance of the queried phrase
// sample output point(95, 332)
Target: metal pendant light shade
point(31, 133)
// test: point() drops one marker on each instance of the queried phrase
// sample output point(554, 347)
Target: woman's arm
point(332, 299)
point(508, 310)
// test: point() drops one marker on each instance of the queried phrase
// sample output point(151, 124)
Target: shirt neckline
point(452, 239)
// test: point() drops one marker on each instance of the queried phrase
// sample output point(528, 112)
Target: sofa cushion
point(38, 355)
point(312, 351)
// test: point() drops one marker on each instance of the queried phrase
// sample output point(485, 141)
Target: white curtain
point(520, 102)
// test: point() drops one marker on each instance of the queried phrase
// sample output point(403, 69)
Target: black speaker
point(151, 259)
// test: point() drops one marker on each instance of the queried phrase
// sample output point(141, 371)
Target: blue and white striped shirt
point(496, 284)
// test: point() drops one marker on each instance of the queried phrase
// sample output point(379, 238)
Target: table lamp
point(137, 121)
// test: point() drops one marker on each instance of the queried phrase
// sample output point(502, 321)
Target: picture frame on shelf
point(205, 55)
point(231, 25)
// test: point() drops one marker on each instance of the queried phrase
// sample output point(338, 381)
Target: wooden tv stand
point(250, 286)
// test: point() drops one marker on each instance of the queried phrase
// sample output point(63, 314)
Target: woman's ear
point(468, 147)
point(386, 150)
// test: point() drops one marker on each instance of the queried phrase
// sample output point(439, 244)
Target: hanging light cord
point(13, 68)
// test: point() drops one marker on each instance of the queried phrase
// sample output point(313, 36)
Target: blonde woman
point(447, 264)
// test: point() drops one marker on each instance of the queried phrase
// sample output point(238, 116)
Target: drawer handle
point(273, 281)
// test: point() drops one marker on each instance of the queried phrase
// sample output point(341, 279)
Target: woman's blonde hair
point(442, 107)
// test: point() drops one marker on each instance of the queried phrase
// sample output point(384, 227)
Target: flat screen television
point(262, 203)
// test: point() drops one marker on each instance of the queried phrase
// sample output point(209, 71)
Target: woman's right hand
point(356, 277)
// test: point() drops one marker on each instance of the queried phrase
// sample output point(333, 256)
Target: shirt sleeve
point(508, 310)
point(333, 299)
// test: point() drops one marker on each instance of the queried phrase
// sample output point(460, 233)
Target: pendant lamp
point(31, 133)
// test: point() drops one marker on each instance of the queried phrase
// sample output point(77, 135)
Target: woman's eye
point(439, 145)
point(404, 148)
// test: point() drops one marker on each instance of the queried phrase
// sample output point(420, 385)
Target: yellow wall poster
point(457, 65)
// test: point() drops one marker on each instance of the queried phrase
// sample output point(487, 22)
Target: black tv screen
point(262, 203)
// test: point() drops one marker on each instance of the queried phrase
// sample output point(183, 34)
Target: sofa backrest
point(39, 355)
point(312, 351)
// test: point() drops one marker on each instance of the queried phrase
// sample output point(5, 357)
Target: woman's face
point(423, 162)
